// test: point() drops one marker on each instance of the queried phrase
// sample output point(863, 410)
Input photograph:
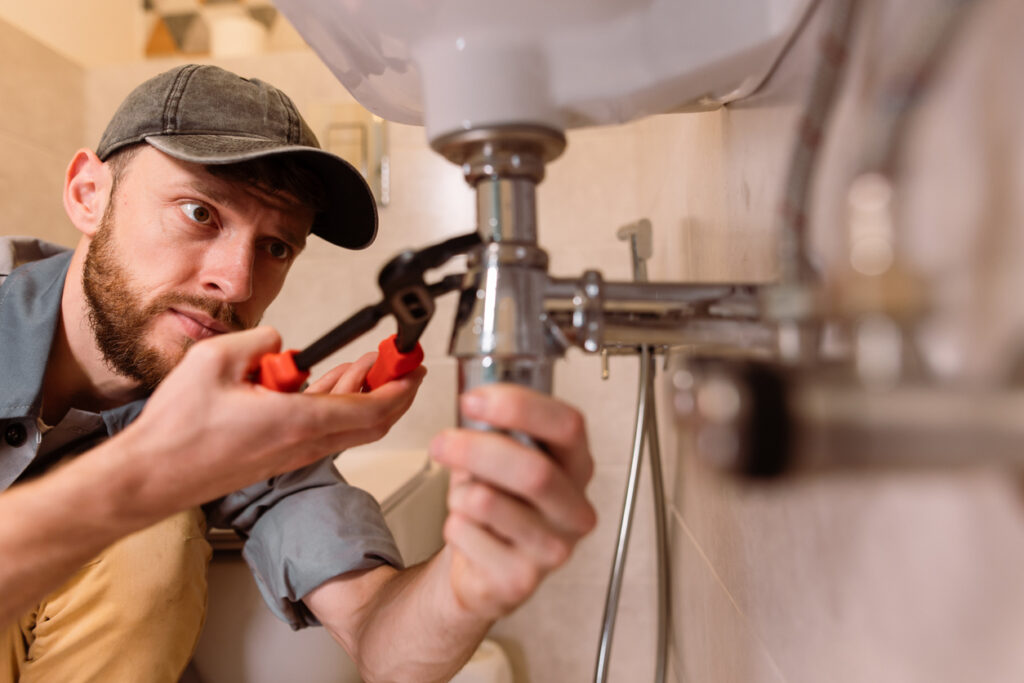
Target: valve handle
point(392, 363)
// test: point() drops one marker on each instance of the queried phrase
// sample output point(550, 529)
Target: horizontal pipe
point(760, 419)
point(846, 427)
point(638, 296)
point(717, 336)
point(731, 337)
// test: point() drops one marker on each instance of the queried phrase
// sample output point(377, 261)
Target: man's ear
point(86, 191)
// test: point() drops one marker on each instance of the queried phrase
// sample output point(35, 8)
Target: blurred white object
point(487, 665)
point(461, 64)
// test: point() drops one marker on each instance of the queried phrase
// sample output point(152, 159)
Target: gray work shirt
point(301, 528)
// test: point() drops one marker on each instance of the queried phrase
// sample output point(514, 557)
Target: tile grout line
point(718, 579)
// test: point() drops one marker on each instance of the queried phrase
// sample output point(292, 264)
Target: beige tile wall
point(40, 129)
point(85, 32)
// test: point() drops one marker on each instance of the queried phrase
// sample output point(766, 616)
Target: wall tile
point(40, 129)
point(430, 200)
point(854, 578)
point(554, 637)
point(711, 640)
point(43, 91)
point(30, 192)
point(81, 33)
point(589, 191)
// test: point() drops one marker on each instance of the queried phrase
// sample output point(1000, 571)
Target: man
point(192, 209)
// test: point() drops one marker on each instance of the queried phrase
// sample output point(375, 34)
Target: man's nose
point(228, 270)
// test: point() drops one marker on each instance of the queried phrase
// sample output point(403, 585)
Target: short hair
point(273, 175)
point(118, 163)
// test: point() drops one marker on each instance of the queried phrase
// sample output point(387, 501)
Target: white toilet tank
point(243, 642)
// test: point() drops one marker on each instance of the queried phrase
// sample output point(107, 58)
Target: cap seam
point(165, 123)
point(293, 129)
point(173, 103)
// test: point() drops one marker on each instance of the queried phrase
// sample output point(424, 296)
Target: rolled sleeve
point(302, 529)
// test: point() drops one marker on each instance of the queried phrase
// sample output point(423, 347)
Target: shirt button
point(15, 434)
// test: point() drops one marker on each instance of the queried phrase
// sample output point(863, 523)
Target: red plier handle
point(279, 372)
point(392, 363)
point(406, 296)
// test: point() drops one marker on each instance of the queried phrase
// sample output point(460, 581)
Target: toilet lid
point(385, 474)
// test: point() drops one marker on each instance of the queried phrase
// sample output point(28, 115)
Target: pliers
point(406, 296)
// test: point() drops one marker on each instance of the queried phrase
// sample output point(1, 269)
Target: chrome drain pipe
point(514, 320)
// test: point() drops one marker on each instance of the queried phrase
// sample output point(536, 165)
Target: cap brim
point(350, 217)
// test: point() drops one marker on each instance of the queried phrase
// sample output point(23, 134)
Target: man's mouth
point(198, 325)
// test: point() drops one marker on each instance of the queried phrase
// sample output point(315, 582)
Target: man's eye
point(279, 250)
point(197, 212)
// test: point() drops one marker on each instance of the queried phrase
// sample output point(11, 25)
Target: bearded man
point(129, 424)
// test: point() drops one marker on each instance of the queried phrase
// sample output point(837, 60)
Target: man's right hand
point(207, 430)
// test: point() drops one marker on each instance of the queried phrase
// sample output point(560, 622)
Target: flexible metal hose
point(660, 527)
point(645, 430)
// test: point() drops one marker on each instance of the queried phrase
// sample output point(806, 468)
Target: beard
point(120, 318)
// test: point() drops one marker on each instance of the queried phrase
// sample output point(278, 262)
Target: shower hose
point(645, 431)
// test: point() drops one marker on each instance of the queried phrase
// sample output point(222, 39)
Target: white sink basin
point(460, 64)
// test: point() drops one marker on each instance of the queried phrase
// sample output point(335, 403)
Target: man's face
point(181, 255)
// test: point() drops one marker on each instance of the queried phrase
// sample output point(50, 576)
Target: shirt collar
point(120, 417)
point(29, 309)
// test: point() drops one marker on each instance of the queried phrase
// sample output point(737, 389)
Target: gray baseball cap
point(206, 115)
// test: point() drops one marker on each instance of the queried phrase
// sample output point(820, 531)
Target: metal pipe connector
point(515, 151)
point(501, 332)
point(595, 315)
